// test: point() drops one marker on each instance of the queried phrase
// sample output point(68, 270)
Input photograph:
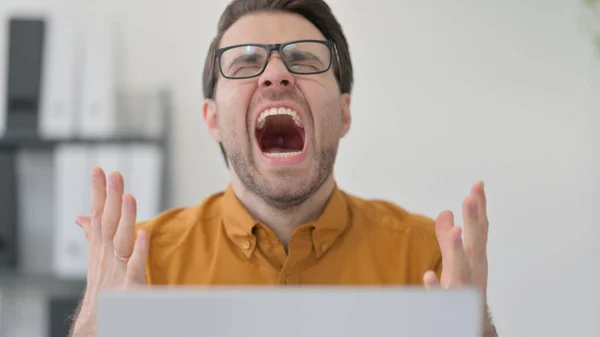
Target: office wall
point(504, 91)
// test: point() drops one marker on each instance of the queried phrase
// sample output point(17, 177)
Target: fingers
point(461, 268)
point(478, 192)
point(473, 229)
point(477, 251)
point(98, 201)
point(430, 280)
point(124, 237)
point(136, 266)
point(455, 266)
point(463, 263)
point(475, 223)
point(443, 230)
point(480, 199)
point(112, 208)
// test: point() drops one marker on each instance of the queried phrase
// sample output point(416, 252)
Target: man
point(277, 83)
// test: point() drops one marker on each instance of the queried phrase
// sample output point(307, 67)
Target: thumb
point(86, 224)
point(430, 280)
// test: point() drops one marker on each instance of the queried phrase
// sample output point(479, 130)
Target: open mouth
point(280, 133)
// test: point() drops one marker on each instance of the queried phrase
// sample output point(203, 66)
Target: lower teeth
point(282, 154)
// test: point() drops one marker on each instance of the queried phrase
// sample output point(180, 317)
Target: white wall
point(504, 91)
point(500, 91)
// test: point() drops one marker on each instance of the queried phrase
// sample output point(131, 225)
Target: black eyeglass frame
point(270, 48)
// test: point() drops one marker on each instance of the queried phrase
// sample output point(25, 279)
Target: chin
point(282, 195)
point(284, 188)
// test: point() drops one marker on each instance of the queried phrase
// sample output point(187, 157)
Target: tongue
point(277, 145)
point(280, 143)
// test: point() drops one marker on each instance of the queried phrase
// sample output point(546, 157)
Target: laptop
point(306, 311)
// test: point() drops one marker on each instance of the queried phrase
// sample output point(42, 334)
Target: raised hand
point(117, 258)
point(464, 263)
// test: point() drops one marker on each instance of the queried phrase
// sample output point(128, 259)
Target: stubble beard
point(281, 197)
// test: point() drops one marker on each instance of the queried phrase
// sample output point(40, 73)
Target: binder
point(8, 210)
point(13, 14)
point(61, 76)
point(2, 314)
point(98, 112)
point(3, 68)
point(141, 165)
point(35, 181)
point(72, 197)
point(142, 114)
point(145, 177)
point(26, 39)
point(110, 157)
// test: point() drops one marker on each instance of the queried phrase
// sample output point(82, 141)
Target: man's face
point(280, 130)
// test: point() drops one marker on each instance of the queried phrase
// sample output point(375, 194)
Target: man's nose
point(276, 75)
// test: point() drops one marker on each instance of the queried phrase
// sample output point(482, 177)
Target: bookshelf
point(43, 297)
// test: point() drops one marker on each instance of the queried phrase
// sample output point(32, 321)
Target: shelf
point(11, 280)
point(34, 142)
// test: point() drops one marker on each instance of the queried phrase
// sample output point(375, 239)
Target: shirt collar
point(332, 223)
point(239, 224)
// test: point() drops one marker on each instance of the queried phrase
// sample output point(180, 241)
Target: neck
point(284, 221)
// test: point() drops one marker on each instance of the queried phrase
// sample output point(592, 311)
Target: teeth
point(278, 111)
point(282, 154)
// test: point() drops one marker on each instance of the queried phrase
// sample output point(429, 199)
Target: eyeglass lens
point(300, 57)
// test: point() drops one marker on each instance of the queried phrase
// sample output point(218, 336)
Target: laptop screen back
point(289, 312)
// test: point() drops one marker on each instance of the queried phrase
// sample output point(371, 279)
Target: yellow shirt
point(354, 242)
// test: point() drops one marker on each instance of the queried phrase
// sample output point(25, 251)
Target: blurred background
point(503, 91)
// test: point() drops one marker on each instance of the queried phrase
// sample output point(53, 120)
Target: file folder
point(99, 118)
point(145, 178)
point(36, 208)
point(26, 40)
point(61, 78)
point(8, 210)
point(72, 197)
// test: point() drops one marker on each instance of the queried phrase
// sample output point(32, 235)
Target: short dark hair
point(315, 11)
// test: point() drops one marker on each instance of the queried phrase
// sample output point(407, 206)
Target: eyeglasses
point(304, 57)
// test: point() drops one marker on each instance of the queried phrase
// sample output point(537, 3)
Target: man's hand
point(117, 259)
point(464, 263)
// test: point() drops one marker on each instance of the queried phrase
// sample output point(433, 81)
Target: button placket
point(246, 245)
point(300, 248)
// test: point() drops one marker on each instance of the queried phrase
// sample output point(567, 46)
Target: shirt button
point(247, 244)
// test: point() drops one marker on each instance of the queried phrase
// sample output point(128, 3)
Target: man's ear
point(210, 117)
point(346, 116)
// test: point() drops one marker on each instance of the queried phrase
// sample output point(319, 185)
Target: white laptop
point(289, 312)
